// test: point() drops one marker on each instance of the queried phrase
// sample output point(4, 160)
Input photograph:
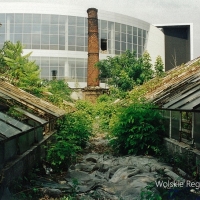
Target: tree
point(159, 66)
point(126, 71)
point(17, 69)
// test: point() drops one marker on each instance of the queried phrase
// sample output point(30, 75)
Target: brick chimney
point(93, 48)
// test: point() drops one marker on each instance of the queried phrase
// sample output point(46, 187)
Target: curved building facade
point(57, 36)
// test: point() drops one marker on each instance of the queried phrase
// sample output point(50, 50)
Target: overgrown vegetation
point(73, 131)
point(126, 71)
point(136, 129)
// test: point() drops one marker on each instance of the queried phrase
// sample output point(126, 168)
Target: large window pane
point(129, 30)
point(27, 28)
point(71, 30)
point(117, 45)
point(44, 39)
point(71, 20)
point(80, 21)
point(117, 36)
point(117, 27)
point(123, 28)
point(80, 41)
point(123, 37)
point(54, 19)
point(62, 19)
point(35, 39)
point(80, 31)
point(53, 29)
point(18, 28)
point(139, 32)
point(37, 18)
point(19, 18)
point(134, 31)
point(28, 18)
point(45, 19)
point(71, 40)
point(129, 38)
point(104, 24)
point(36, 28)
point(45, 29)
point(53, 39)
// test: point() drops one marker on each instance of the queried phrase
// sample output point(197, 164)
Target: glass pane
point(117, 45)
point(80, 21)
point(123, 37)
point(71, 40)
point(54, 19)
point(45, 29)
point(53, 29)
point(37, 18)
point(129, 38)
point(35, 39)
point(123, 46)
point(44, 39)
point(61, 29)
point(134, 39)
point(80, 41)
point(80, 31)
point(123, 28)
point(71, 30)
point(26, 39)
point(19, 18)
point(129, 30)
point(53, 39)
point(36, 28)
point(27, 28)
point(134, 31)
point(117, 36)
point(117, 27)
point(45, 19)
point(71, 20)
point(62, 19)
point(2, 18)
point(140, 32)
point(44, 62)
point(104, 24)
point(129, 46)
point(18, 28)
point(28, 18)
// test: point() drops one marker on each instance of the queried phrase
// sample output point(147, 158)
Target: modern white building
point(56, 33)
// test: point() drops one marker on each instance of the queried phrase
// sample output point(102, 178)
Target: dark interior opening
point(54, 74)
point(103, 44)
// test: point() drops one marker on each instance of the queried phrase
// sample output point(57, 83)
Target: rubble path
point(100, 175)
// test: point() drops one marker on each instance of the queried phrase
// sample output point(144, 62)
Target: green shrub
point(136, 129)
point(73, 131)
point(104, 111)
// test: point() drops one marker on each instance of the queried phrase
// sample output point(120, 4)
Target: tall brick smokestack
point(93, 48)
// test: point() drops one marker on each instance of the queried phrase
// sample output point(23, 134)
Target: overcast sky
point(153, 11)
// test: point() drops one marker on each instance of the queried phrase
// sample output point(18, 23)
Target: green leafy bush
point(105, 108)
point(136, 129)
point(73, 131)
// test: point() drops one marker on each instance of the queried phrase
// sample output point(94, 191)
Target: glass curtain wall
point(68, 33)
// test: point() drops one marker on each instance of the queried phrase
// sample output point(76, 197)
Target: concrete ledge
point(174, 146)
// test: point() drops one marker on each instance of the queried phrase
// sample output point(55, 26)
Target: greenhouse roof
point(10, 127)
point(9, 91)
point(179, 89)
